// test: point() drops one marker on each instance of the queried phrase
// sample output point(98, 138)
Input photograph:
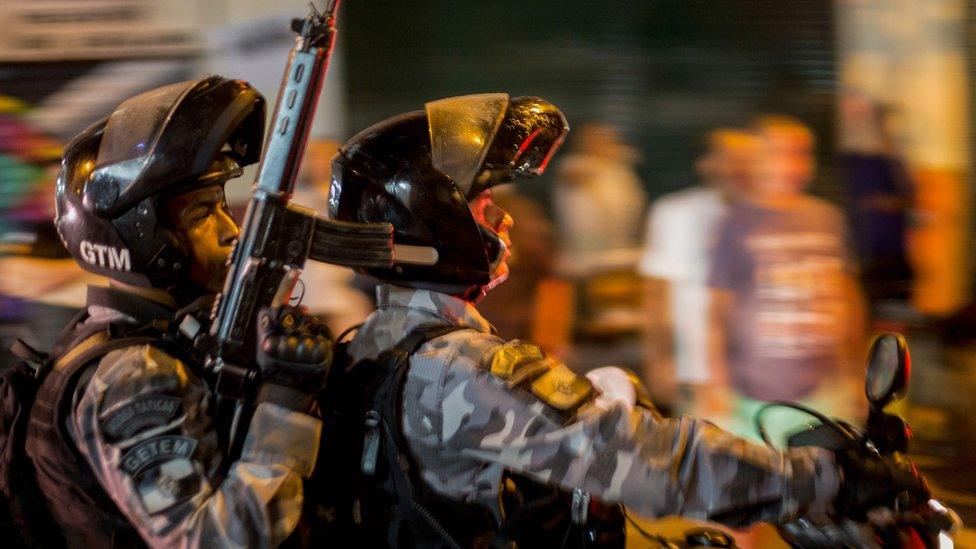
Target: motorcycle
point(904, 523)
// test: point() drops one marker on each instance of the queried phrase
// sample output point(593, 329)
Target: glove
point(871, 481)
point(294, 352)
point(842, 534)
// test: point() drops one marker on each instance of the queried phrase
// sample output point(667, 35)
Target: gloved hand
point(871, 481)
point(808, 534)
point(294, 352)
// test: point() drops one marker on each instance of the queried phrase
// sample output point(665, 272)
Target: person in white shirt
point(674, 265)
point(599, 203)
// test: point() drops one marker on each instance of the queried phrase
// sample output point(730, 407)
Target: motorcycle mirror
point(889, 368)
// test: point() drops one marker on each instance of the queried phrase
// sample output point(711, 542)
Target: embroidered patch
point(517, 361)
point(165, 485)
point(140, 414)
point(562, 389)
point(156, 450)
point(162, 471)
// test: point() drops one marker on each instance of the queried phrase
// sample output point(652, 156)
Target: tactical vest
point(368, 485)
point(76, 500)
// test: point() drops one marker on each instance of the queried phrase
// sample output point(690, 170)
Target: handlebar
point(905, 524)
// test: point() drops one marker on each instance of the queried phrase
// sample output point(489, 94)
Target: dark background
point(663, 71)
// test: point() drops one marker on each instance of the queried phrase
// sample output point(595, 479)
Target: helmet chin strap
point(495, 263)
point(495, 250)
point(477, 293)
point(496, 245)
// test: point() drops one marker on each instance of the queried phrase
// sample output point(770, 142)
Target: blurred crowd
point(738, 289)
point(759, 280)
point(758, 271)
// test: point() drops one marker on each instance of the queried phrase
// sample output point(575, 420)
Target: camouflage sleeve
point(143, 425)
point(627, 454)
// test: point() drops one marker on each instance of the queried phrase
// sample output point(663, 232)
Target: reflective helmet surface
point(164, 141)
point(418, 171)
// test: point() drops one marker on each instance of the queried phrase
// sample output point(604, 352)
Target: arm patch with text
point(163, 471)
point(138, 415)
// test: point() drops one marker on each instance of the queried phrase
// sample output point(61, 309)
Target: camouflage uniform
point(142, 422)
point(466, 425)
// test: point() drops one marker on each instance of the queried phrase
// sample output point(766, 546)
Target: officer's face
point(492, 217)
point(202, 217)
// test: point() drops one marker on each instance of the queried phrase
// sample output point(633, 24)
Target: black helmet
point(418, 171)
point(163, 141)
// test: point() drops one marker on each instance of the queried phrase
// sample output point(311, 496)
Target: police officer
point(122, 434)
point(473, 412)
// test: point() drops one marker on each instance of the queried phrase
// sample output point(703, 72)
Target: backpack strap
point(31, 356)
point(90, 344)
point(383, 423)
point(88, 349)
point(387, 398)
point(67, 335)
point(72, 366)
point(97, 346)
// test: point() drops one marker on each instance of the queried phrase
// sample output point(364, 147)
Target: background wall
point(663, 71)
point(912, 56)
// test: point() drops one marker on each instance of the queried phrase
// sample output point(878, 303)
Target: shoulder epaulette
point(520, 363)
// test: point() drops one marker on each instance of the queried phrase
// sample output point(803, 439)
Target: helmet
point(418, 171)
point(161, 142)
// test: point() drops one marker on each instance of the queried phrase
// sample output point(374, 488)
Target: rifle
point(277, 237)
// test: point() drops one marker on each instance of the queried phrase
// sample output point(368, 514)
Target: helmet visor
point(134, 128)
point(529, 135)
point(532, 131)
point(175, 136)
point(461, 132)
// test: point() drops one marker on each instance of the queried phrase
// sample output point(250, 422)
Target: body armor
point(76, 500)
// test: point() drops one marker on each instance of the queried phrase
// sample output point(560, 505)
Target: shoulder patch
point(168, 484)
point(517, 362)
point(138, 415)
point(125, 373)
point(162, 471)
point(156, 450)
point(562, 388)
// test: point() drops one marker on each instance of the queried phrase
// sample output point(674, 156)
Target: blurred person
point(122, 441)
point(786, 321)
point(489, 441)
point(680, 234)
point(599, 203)
point(882, 198)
